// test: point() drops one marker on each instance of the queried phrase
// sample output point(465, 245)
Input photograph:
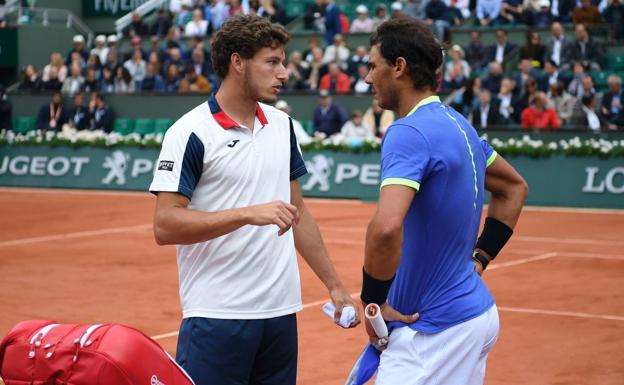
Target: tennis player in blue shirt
point(424, 255)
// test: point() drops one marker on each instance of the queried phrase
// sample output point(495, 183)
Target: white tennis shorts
point(455, 356)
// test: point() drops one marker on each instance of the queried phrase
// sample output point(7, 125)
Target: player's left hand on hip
point(340, 298)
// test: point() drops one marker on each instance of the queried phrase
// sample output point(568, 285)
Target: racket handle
point(373, 313)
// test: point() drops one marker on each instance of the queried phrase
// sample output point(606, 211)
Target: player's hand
point(277, 213)
point(389, 314)
point(478, 267)
point(340, 298)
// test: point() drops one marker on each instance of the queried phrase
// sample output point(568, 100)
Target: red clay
point(125, 277)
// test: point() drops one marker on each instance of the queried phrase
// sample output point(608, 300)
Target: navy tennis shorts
point(239, 352)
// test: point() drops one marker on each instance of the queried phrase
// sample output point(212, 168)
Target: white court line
point(540, 257)
point(79, 234)
point(561, 313)
point(579, 241)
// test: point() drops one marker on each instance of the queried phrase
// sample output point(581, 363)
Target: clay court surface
point(90, 257)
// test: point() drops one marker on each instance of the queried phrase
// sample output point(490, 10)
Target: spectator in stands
point(586, 116)
point(152, 82)
point(508, 109)
point(359, 58)
point(527, 94)
point(533, 50)
point(457, 70)
point(102, 115)
point(612, 110)
point(542, 18)
point(512, 12)
point(360, 86)
point(73, 83)
point(415, 8)
point(586, 14)
point(91, 82)
point(525, 72)
point(586, 49)
point(301, 134)
point(487, 12)
point(378, 119)
point(79, 114)
point(362, 23)
point(30, 79)
point(107, 84)
point(313, 17)
point(155, 48)
point(198, 26)
point(575, 87)
point(136, 27)
point(112, 60)
point(172, 78)
point(492, 80)
point(312, 43)
point(332, 21)
point(124, 83)
point(53, 83)
point(435, 16)
point(502, 47)
point(538, 115)
point(337, 53)
point(273, 11)
point(136, 66)
point(183, 15)
point(173, 40)
point(486, 115)
point(297, 70)
point(381, 15)
point(561, 10)
point(476, 53)
point(614, 15)
point(78, 46)
point(335, 81)
point(56, 62)
point(113, 45)
point(397, 10)
point(154, 59)
point(317, 68)
point(6, 111)
point(550, 77)
point(95, 64)
point(562, 102)
point(52, 115)
point(194, 82)
point(463, 6)
point(355, 130)
point(328, 117)
point(203, 66)
point(100, 49)
point(559, 49)
point(162, 24)
point(175, 58)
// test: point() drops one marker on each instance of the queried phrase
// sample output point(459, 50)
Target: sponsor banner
point(109, 8)
point(554, 181)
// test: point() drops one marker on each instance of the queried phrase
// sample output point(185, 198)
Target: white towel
point(348, 314)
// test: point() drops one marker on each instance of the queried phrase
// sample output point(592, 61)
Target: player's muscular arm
point(509, 191)
point(175, 223)
point(384, 235)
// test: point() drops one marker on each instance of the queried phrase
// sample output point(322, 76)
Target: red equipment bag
point(48, 353)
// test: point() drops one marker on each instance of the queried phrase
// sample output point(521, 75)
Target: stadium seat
point(123, 126)
point(24, 124)
point(162, 125)
point(144, 126)
point(600, 79)
point(615, 61)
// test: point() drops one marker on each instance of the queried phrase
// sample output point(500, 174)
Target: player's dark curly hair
point(244, 35)
point(412, 40)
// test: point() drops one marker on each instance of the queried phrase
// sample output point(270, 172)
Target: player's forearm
point(180, 225)
point(382, 252)
point(507, 205)
point(309, 243)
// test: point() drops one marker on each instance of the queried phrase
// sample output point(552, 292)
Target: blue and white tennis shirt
point(206, 156)
point(437, 152)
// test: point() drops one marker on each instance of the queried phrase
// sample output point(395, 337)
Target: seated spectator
point(587, 117)
point(297, 70)
point(113, 46)
point(587, 50)
point(562, 102)
point(397, 10)
point(6, 111)
point(112, 61)
point(52, 115)
point(476, 53)
point(174, 39)
point(175, 58)
point(487, 12)
point(356, 130)
point(525, 72)
point(463, 6)
point(533, 50)
point(586, 14)
point(360, 58)
point(317, 68)
point(381, 15)
point(335, 81)
point(79, 114)
point(457, 70)
point(198, 26)
point(378, 119)
point(575, 86)
point(486, 115)
point(95, 64)
point(161, 25)
point(136, 66)
point(526, 98)
point(360, 86)
point(102, 115)
point(136, 27)
point(152, 82)
point(123, 81)
point(561, 10)
point(508, 104)
point(73, 83)
point(78, 46)
point(53, 83)
point(91, 83)
point(107, 84)
point(502, 47)
point(512, 12)
point(415, 9)
point(492, 80)
point(337, 53)
point(219, 13)
point(30, 79)
point(542, 18)
point(313, 16)
point(435, 17)
point(328, 117)
point(202, 62)
point(100, 49)
point(551, 76)
point(612, 110)
point(614, 15)
point(538, 115)
point(312, 44)
point(362, 23)
point(194, 82)
point(587, 88)
point(559, 48)
point(56, 62)
point(154, 60)
point(301, 134)
point(172, 78)
point(273, 11)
